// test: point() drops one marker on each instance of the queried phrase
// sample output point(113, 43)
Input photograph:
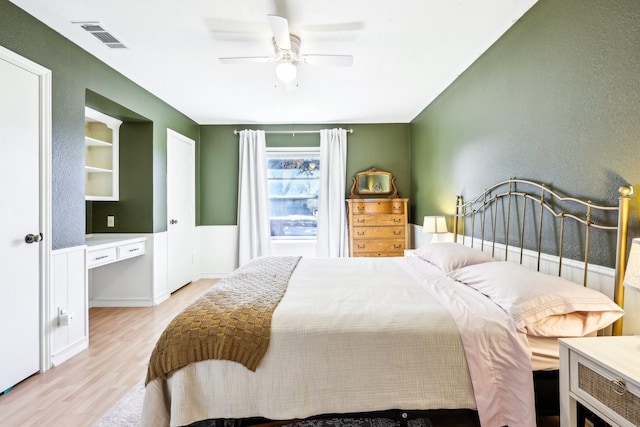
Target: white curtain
point(254, 235)
point(332, 238)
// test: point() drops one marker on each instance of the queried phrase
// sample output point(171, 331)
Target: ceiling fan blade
point(246, 60)
point(280, 29)
point(337, 60)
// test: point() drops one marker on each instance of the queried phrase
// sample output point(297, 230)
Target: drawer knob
point(619, 387)
point(361, 246)
point(360, 221)
point(360, 233)
point(397, 233)
point(397, 220)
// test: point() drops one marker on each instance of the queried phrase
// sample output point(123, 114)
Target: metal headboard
point(509, 194)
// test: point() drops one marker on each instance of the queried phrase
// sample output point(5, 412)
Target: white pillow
point(448, 256)
point(539, 304)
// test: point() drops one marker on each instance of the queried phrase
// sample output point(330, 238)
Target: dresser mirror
point(375, 183)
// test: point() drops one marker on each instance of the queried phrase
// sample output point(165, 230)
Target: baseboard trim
point(160, 298)
point(69, 352)
point(211, 276)
point(143, 302)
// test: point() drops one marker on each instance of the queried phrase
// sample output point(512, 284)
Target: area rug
point(126, 413)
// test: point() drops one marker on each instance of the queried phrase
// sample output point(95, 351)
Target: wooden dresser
point(377, 227)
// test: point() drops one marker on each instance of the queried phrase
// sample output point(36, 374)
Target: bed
point(427, 332)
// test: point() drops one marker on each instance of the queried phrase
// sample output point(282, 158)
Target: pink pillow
point(448, 256)
point(540, 304)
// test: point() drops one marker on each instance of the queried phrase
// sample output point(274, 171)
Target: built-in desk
point(105, 250)
point(120, 270)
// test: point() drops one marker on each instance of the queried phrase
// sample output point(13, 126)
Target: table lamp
point(632, 273)
point(437, 225)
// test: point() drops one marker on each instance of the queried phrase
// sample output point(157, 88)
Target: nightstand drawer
point(605, 391)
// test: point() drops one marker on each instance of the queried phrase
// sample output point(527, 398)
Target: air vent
point(103, 35)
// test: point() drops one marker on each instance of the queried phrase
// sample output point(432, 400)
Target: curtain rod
point(292, 132)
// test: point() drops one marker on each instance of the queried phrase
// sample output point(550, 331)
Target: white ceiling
point(405, 52)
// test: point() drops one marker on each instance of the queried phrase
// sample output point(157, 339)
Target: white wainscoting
point(306, 248)
point(68, 293)
point(216, 250)
point(160, 255)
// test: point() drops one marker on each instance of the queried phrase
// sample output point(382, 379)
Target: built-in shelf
point(93, 142)
point(101, 156)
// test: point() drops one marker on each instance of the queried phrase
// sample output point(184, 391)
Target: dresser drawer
point(388, 245)
point(378, 232)
point(398, 207)
point(100, 257)
point(131, 250)
point(373, 207)
point(605, 391)
point(382, 254)
point(373, 219)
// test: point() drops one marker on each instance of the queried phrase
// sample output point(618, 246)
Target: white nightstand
point(603, 374)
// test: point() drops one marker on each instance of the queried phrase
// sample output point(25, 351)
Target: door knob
point(173, 221)
point(33, 238)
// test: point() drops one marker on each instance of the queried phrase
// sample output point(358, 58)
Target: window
point(293, 180)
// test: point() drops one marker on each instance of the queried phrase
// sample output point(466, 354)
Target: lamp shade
point(434, 224)
point(632, 274)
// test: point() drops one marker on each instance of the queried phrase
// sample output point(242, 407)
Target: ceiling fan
point(286, 48)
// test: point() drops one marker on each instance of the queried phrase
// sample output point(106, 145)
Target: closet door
point(180, 209)
point(20, 239)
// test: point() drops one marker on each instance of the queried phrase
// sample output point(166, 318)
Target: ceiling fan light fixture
point(286, 71)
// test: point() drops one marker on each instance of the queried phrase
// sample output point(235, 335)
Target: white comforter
point(359, 335)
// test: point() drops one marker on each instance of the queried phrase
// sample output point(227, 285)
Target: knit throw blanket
point(231, 321)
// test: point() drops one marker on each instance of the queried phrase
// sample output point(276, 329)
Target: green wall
point(76, 75)
point(556, 99)
point(385, 146)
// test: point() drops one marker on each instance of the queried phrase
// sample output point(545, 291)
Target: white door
point(20, 261)
point(180, 209)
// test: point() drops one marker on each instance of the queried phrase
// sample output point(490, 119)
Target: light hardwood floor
point(81, 390)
